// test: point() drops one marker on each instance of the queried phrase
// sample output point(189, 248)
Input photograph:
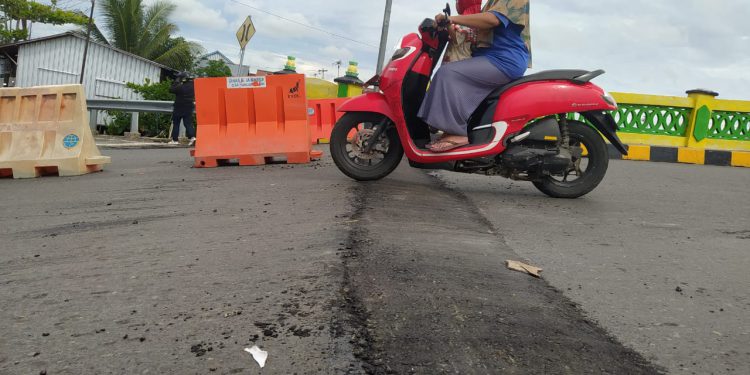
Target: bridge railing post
point(134, 131)
point(700, 119)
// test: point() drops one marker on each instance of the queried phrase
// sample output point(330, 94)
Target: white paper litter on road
point(259, 355)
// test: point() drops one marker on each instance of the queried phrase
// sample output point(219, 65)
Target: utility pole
point(384, 35)
point(323, 73)
point(88, 39)
point(338, 68)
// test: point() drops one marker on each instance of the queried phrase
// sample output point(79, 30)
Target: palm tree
point(145, 31)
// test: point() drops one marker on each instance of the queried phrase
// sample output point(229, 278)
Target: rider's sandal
point(447, 146)
point(436, 141)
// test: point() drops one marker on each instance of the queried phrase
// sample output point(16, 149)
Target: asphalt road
point(658, 255)
point(154, 267)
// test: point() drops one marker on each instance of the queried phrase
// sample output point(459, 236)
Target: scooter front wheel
point(357, 155)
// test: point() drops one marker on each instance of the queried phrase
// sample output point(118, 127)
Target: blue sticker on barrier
point(71, 140)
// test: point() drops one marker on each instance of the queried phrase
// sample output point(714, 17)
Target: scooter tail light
point(609, 99)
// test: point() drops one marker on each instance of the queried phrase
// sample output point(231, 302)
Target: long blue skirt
point(456, 92)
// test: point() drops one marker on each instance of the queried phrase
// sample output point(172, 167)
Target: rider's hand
point(442, 18)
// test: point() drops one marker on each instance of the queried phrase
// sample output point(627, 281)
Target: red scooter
point(524, 130)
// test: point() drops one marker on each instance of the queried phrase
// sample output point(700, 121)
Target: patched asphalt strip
point(426, 291)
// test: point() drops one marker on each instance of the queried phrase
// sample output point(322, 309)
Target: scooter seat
point(573, 75)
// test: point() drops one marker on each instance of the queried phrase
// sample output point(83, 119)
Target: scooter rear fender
point(529, 101)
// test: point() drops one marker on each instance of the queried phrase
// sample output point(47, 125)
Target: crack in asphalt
point(77, 228)
point(353, 322)
point(397, 293)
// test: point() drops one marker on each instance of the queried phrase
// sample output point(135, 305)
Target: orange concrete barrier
point(252, 120)
point(323, 116)
point(45, 131)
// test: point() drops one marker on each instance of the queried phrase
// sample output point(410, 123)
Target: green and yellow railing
point(698, 129)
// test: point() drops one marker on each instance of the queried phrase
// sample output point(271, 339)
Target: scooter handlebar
point(447, 12)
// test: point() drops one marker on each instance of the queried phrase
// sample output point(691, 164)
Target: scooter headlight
point(401, 52)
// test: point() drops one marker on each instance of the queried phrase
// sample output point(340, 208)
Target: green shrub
point(118, 122)
point(154, 124)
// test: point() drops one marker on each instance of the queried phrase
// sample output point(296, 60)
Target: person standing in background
point(184, 106)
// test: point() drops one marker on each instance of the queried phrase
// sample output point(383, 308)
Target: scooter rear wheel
point(348, 141)
point(588, 171)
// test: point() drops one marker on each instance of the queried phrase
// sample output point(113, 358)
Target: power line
point(306, 25)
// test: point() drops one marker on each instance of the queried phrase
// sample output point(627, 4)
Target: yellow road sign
point(246, 32)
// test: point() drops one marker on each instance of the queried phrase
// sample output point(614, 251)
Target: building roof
point(79, 36)
point(221, 55)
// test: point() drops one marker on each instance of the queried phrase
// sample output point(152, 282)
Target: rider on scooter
point(501, 56)
point(462, 39)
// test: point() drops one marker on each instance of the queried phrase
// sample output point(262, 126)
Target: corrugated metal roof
point(210, 56)
point(237, 70)
point(79, 36)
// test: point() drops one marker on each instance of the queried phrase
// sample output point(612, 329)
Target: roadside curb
point(139, 146)
point(683, 155)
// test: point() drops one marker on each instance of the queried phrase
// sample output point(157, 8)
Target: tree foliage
point(146, 31)
point(17, 15)
point(214, 68)
point(154, 124)
point(153, 90)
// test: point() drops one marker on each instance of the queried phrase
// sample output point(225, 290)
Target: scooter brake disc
point(360, 140)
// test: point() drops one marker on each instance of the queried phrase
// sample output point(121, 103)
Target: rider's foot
point(449, 142)
point(438, 139)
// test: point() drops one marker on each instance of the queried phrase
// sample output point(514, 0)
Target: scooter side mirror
point(447, 10)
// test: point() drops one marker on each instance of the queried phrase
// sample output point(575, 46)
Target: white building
point(56, 60)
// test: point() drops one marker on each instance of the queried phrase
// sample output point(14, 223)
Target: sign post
point(384, 35)
point(244, 34)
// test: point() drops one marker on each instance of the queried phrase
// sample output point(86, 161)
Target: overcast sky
point(646, 46)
